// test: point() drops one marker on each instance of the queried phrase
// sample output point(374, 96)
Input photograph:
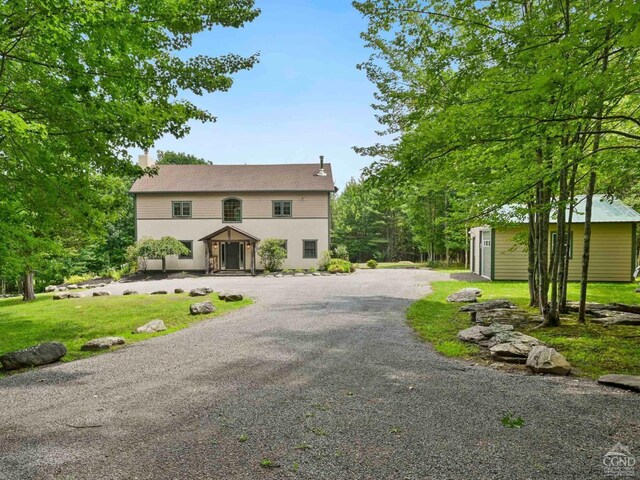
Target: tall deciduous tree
point(508, 102)
point(80, 83)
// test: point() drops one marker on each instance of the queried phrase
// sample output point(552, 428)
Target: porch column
point(206, 256)
point(253, 258)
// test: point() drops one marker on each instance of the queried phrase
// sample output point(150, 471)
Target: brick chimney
point(145, 160)
point(321, 173)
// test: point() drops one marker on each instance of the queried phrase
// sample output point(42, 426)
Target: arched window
point(232, 210)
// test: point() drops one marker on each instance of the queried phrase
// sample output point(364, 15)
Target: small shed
point(500, 253)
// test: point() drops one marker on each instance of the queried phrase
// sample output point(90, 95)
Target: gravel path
point(324, 378)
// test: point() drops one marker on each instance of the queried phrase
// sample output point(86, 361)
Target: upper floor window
point(231, 210)
point(282, 208)
point(181, 209)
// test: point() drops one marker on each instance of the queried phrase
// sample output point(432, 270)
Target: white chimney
point(145, 160)
point(321, 173)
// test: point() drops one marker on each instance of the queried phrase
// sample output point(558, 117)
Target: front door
point(233, 256)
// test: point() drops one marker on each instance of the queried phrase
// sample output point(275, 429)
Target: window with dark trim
point(181, 209)
point(189, 245)
point(554, 237)
point(232, 210)
point(309, 249)
point(282, 208)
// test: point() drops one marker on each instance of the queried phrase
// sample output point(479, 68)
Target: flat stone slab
point(482, 334)
point(201, 308)
point(628, 382)
point(151, 327)
point(102, 343)
point(101, 294)
point(61, 295)
point(41, 354)
point(159, 292)
point(501, 315)
point(488, 305)
point(543, 359)
point(199, 292)
point(463, 296)
point(129, 292)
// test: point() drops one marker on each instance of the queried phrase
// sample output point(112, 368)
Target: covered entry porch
point(230, 249)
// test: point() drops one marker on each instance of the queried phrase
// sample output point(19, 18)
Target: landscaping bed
point(75, 321)
point(592, 349)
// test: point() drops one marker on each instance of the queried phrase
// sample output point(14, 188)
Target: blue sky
point(304, 99)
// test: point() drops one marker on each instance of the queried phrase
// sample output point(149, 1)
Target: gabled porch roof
point(228, 231)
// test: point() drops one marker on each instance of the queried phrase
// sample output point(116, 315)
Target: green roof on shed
point(605, 210)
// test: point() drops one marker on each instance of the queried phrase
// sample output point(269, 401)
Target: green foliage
point(324, 260)
point(510, 421)
point(149, 248)
point(25, 324)
point(341, 251)
point(372, 263)
point(168, 157)
point(273, 253)
point(79, 278)
point(337, 265)
point(85, 83)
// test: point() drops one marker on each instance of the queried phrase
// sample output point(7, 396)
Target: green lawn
point(77, 320)
point(594, 350)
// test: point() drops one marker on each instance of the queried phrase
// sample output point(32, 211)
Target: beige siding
point(254, 205)
point(610, 259)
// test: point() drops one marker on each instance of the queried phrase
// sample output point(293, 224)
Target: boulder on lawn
point(481, 334)
point(198, 292)
point(61, 288)
point(610, 317)
point(159, 292)
point(151, 327)
point(75, 295)
point(501, 315)
point(201, 308)
point(178, 290)
point(73, 286)
point(475, 334)
point(129, 292)
point(488, 305)
point(41, 354)
point(513, 347)
point(638, 290)
point(61, 295)
point(463, 296)
point(543, 359)
point(101, 293)
point(629, 382)
point(102, 343)
point(233, 297)
point(50, 288)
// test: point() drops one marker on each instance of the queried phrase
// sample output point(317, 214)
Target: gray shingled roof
point(604, 210)
point(237, 178)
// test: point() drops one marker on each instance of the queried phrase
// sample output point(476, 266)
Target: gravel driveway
point(322, 377)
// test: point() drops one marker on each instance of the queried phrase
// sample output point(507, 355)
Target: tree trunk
point(584, 275)
point(164, 264)
point(28, 292)
point(568, 246)
point(531, 269)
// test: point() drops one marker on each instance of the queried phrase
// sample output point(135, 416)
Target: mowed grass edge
point(594, 350)
point(78, 320)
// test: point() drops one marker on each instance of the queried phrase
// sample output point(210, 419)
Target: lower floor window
point(309, 249)
point(189, 245)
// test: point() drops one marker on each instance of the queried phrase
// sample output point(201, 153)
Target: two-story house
point(221, 212)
